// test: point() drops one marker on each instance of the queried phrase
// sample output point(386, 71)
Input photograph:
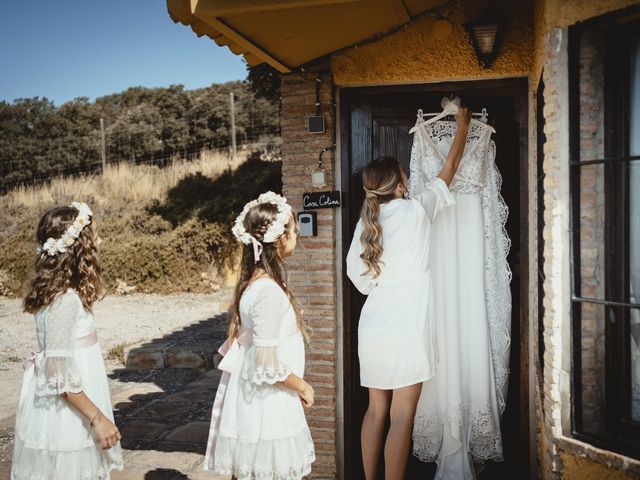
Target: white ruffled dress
point(53, 441)
point(258, 428)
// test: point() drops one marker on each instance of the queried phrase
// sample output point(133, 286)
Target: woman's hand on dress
point(106, 432)
point(463, 117)
point(307, 396)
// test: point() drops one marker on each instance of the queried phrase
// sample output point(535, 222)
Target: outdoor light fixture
point(316, 123)
point(485, 36)
point(318, 177)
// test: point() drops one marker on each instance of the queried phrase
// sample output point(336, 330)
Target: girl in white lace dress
point(64, 425)
point(388, 260)
point(258, 427)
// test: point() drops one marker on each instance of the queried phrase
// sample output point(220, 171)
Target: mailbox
point(308, 222)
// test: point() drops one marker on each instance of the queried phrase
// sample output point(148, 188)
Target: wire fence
point(259, 136)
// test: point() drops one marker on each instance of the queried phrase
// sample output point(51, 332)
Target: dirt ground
point(119, 320)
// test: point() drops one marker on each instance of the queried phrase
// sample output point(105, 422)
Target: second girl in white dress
point(258, 427)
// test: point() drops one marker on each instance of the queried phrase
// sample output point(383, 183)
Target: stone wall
point(556, 250)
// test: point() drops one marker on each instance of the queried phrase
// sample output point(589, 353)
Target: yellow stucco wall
point(562, 13)
point(582, 468)
point(416, 53)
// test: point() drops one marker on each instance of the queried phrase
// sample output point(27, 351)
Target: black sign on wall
point(314, 200)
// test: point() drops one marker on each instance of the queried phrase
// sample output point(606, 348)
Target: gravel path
point(129, 319)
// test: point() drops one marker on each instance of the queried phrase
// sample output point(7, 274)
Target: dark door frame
point(516, 88)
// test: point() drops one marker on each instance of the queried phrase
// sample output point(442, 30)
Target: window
point(604, 102)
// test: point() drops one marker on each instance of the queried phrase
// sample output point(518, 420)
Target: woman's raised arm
point(457, 147)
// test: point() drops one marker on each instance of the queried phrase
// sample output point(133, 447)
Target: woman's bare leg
point(396, 450)
point(372, 432)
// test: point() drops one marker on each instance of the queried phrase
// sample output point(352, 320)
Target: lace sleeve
point(416, 179)
point(262, 363)
point(59, 372)
point(497, 275)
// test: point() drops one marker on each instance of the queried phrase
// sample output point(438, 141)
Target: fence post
point(103, 149)
point(233, 127)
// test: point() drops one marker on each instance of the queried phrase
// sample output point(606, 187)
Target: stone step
point(192, 346)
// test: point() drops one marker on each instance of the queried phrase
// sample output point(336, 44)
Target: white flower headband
point(53, 246)
point(275, 229)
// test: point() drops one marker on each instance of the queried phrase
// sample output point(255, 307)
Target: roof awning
point(289, 33)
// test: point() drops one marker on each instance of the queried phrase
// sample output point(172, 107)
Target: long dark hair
point(256, 223)
point(77, 268)
point(379, 181)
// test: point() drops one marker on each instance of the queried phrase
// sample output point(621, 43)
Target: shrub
point(180, 243)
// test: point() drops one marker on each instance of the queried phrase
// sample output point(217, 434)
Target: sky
point(63, 49)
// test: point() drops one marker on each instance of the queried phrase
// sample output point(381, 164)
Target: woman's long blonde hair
point(379, 179)
point(77, 268)
point(256, 223)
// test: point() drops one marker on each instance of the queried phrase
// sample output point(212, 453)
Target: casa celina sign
point(314, 200)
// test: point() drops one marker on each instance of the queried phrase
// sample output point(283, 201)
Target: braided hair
point(256, 223)
point(380, 179)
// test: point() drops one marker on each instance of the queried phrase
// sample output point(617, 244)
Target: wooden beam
point(401, 11)
point(223, 8)
point(244, 44)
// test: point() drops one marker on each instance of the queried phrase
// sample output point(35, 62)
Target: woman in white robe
point(389, 261)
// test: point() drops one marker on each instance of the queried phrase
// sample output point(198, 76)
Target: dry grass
point(144, 245)
point(138, 184)
point(117, 352)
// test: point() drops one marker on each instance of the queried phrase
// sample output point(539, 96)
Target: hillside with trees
point(39, 140)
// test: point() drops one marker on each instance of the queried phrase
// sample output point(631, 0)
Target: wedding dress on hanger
point(457, 421)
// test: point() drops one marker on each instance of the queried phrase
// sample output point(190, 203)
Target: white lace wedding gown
point(457, 421)
point(52, 439)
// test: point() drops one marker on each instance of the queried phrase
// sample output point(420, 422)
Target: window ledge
point(614, 460)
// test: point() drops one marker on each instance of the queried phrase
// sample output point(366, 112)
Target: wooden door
point(375, 122)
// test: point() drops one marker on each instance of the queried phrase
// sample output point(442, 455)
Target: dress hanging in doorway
point(457, 422)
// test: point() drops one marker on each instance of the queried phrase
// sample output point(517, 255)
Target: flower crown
point(274, 231)
point(53, 246)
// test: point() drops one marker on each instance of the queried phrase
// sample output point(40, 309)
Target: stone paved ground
point(163, 413)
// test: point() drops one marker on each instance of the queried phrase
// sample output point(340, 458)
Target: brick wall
point(592, 216)
point(312, 268)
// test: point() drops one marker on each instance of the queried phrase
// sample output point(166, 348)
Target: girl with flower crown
point(64, 425)
point(258, 427)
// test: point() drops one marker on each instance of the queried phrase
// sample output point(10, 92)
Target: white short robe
point(396, 333)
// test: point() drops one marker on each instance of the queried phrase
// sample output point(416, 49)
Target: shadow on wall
point(220, 200)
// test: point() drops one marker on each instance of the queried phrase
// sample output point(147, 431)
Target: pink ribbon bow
point(257, 249)
point(231, 360)
point(35, 359)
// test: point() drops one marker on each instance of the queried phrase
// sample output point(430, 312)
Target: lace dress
point(53, 440)
point(458, 416)
point(397, 344)
point(258, 429)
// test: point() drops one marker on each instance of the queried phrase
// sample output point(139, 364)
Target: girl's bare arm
point(294, 382)
point(106, 432)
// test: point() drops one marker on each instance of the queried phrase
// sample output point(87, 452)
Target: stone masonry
point(556, 249)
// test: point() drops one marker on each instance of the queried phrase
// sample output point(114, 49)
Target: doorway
point(375, 121)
